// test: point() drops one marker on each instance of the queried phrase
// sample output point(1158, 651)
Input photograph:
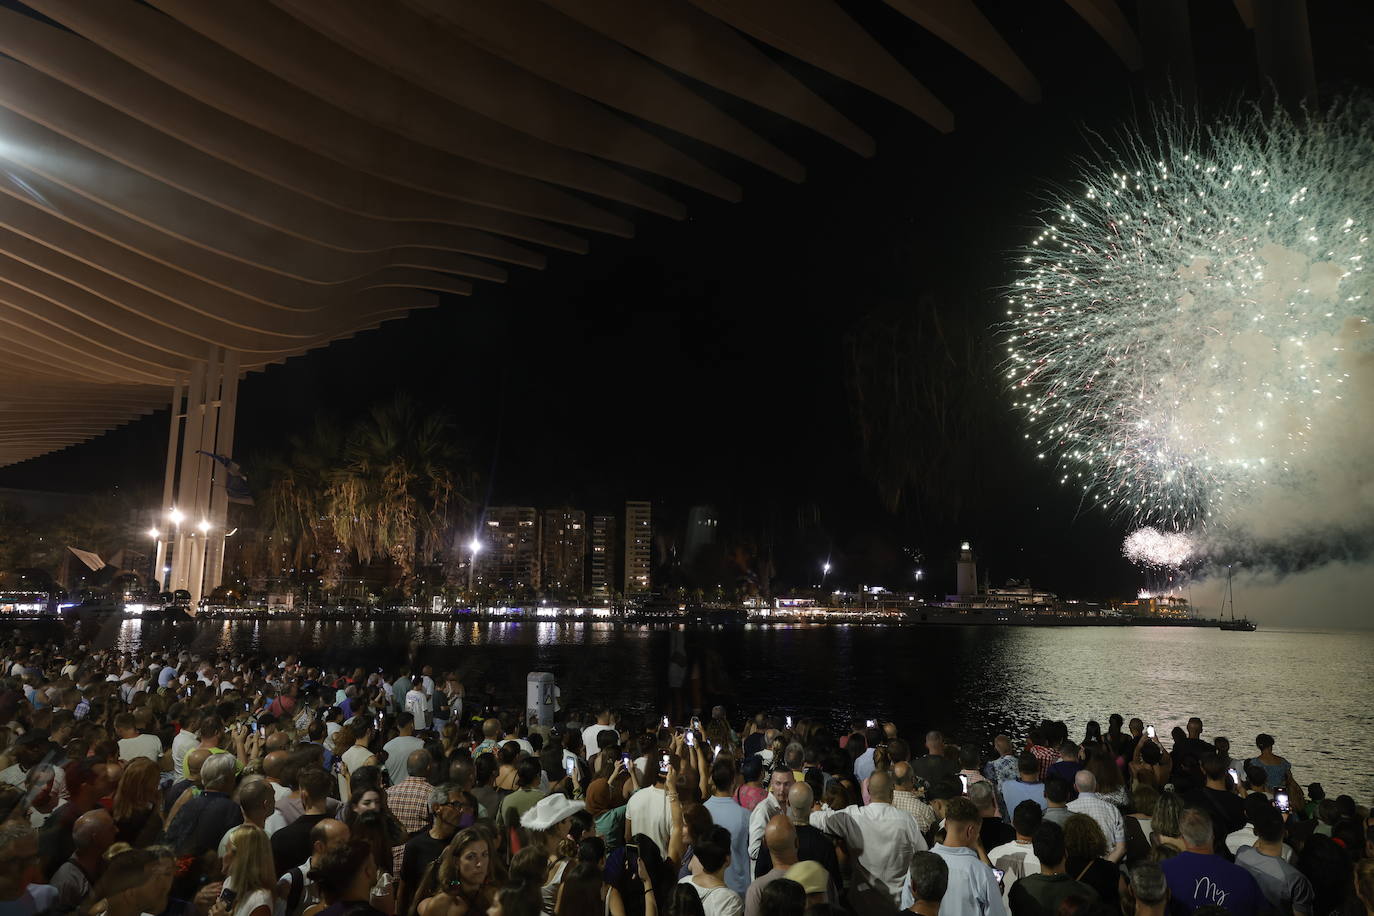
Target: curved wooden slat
point(200, 307)
point(561, 50)
point(130, 142)
point(280, 44)
point(960, 24)
point(408, 44)
point(195, 65)
point(678, 35)
point(141, 307)
point(229, 235)
point(101, 75)
point(79, 343)
point(820, 33)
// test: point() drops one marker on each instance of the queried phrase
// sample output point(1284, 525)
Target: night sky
point(702, 361)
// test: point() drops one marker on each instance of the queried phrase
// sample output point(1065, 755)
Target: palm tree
point(293, 503)
point(400, 487)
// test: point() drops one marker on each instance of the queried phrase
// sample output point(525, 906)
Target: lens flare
point(1182, 331)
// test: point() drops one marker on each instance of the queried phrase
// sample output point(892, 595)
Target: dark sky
point(701, 361)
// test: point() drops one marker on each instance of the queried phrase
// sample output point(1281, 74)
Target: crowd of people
point(174, 784)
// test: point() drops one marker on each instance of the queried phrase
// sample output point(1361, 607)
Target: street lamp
point(176, 516)
point(203, 525)
point(475, 546)
point(154, 533)
point(825, 571)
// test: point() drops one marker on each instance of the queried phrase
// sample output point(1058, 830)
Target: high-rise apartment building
point(509, 557)
point(565, 550)
point(639, 547)
point(703, 525)
point(603, 556)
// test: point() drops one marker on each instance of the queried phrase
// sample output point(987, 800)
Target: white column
point(185, 498)
point(204, 466)
point(219, 496)
point(164, 524)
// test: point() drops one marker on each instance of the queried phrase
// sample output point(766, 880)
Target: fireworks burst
point(1182, 331)
point(1160, 549)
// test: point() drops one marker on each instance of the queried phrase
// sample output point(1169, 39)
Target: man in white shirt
point(973, 889)
point(1257, 807)
point(185, 741)
point(605, 722)
point(134, 744)
point(1107, 815)
point(1017, 858)
point(400, 747)
point(417, 704)
point(647, 812)
point(881, 837)
point(775, 802)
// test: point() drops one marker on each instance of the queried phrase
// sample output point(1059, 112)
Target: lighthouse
point(968, 572)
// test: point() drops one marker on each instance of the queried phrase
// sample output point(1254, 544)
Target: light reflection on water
point(1311, 689)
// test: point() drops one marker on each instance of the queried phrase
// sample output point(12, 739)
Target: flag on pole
point(235, 483)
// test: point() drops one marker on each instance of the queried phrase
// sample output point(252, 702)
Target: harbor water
point(1311, 689)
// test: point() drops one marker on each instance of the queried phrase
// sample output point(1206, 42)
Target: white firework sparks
point(1183, 331)
point(1160, 549)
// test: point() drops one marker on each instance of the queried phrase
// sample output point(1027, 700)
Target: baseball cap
point(812, 876)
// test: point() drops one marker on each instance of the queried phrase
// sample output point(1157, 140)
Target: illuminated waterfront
point(969, 681)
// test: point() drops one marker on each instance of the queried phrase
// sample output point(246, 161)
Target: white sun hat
point(550, 810)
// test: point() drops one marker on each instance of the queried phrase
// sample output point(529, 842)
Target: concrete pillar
point(164, 523)
point(204, 467)
point(185, 495)
point(224, 445)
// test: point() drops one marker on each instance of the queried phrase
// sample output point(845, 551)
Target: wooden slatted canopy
point(268, 176)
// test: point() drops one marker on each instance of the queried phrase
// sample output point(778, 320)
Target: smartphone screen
point(663, 764)
point(631, 859)
point(1235, 777)
point(570, 765)
point(1149, 731)
point(1000, 874)
point(253, 726)
point(789, 721)
point(625, 759)
point(665, 721)
point(691, 739)
point(1281, 801)
point(963, 781)
point(872, 723)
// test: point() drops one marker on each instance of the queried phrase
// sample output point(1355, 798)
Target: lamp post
point(825, 571)
point(157, 555)
point(475, 547)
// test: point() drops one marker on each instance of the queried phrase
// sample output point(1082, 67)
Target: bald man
point(812, 845)
point(274, 768)
point(92, 834)
point(194, 761)
point(882, 838)
point(295, 887)
point(906, 798)
point(780, 838)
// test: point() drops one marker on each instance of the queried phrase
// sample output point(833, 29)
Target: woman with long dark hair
point(584, 891)
point(460, 883)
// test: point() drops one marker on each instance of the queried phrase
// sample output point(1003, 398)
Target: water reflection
point(1310, 689)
